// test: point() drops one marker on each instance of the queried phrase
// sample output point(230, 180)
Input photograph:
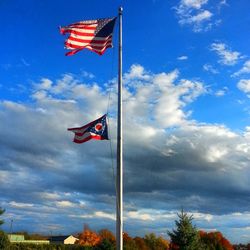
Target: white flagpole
point(119, 171)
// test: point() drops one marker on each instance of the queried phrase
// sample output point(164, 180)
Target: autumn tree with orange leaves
point(128, 242)
point(106, 234)
point(215, 240)
point(88, 238)
point(141, 244)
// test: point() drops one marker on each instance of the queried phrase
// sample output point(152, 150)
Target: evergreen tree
point(185, 236)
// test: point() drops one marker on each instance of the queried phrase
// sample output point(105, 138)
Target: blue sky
point(186, 117)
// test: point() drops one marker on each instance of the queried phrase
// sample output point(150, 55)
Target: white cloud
point(49, 196)
point(197, 4)
point(20, 204)
point(223, 3)
point(215, 153)
point(87, 74)
point(65, 204)
point(210, 68)
point(136, 72)
point(165, 80)
point(215, 130)
point(202, 216)
point(244, 70)
point(63, 85)
point(17, 107)
point(40, 95)
point(149, 214)
point(197, 19)
point(227, 57)
point(244, 85)
point(194, 14)
point(181, 58)
point(45, 84)
point(104, 215)
point(162, 97)
point(97, 214)
point(221, 92)
point(139, 216)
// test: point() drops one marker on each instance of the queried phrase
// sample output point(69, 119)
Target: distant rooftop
point(59, 238)
point(15, 237)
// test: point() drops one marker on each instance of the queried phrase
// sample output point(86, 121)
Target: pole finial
point(120, 10)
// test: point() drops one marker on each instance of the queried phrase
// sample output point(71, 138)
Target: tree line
point(185, 236)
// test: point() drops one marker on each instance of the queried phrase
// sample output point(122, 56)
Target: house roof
point(60, 238)
point(16, 237)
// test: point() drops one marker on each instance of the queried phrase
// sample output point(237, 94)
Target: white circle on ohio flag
point(98, 127)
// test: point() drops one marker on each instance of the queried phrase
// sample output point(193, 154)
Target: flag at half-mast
point(95, 35)
point(97, 130)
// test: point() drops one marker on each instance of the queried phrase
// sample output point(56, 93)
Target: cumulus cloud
point(196, 14)
point(227, 56)
point(44, 84)
point(244, 85)
point(197, 19)
point(136, 72)
point(244, 70)
point(170, 160)
point(197, 4)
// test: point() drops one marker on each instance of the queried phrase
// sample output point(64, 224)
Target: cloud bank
point(170, 160)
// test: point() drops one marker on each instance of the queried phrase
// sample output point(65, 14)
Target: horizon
point(186, 76)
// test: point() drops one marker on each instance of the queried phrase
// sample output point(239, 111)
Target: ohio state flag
point(97, 130)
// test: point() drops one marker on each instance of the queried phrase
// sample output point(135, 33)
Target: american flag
point(97, 130)
point(95, 35)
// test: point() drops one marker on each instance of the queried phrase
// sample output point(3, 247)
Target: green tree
point(156, 243)
point(151, 240)
point(107, 240)
point(185, 236)
point(1, 212)
point(4, 240)
point(128, 242)
point(105, 245)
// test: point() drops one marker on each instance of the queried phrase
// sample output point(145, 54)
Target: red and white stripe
point(82, 135)
point(86, 137)
point(83, 35)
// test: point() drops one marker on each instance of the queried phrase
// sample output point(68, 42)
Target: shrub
point(4, 240)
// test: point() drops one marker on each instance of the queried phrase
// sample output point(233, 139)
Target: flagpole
point(119, 171)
